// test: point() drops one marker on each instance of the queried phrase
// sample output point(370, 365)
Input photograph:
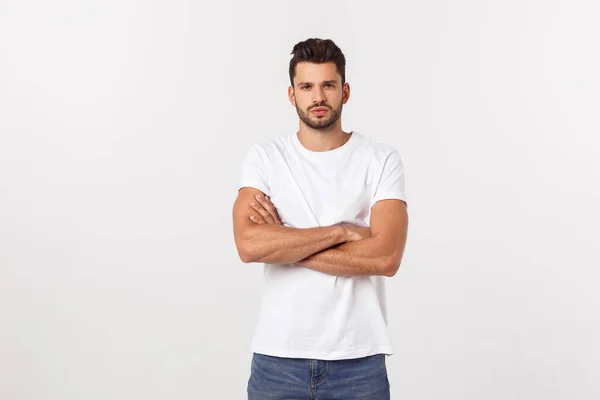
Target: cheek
point(301, 103)
point(336, 98)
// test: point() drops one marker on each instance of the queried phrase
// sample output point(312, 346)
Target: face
point(318, 95)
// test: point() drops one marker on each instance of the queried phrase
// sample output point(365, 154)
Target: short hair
point(317, 51)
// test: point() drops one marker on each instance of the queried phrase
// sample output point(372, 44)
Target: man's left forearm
point(363, 257)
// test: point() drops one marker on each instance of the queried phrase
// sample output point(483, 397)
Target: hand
point(267, 211)
point(354, 233)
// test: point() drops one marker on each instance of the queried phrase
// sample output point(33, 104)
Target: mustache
point(320, 105)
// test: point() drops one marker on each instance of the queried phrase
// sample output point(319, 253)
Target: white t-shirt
point(307, 313)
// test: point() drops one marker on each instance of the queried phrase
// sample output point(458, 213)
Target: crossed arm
point(336, 250)
point(379, 254)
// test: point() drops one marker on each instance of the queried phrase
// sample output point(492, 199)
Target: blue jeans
point(278, 378)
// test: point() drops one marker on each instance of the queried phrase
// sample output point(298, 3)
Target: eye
point(304, 87)
point(329, 85)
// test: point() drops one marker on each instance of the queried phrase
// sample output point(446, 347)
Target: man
point(325, 211)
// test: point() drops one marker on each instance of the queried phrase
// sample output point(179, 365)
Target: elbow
point(246, 254)
point(393, 260)
point(390, 271)
point(391, 267)
point(246, 257)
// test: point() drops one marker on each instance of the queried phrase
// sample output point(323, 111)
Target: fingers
point(358, 232)
point(265, 217)
point(272, 210)
point(266, 209)
point(256, 220)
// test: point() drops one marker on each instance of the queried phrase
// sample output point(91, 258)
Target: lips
point(319, 111)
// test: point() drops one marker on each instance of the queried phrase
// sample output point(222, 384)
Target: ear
point(291, 96)
point(345, 93)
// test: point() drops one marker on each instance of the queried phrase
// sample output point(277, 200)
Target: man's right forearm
point(276, 244)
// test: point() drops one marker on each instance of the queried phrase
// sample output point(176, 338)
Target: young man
point(325, 211)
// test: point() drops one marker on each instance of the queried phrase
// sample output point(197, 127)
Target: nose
point(318, 95)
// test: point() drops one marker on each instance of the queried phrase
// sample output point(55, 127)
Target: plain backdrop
point(122, 129)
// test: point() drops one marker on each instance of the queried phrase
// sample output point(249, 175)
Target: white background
point(122, 129)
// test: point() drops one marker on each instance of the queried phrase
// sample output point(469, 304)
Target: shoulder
point(377, 149)
point(272, 147)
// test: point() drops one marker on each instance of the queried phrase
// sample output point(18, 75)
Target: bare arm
point(277, 244)
point(380, 254)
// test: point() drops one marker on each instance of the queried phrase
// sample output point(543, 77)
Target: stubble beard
point(320, 124)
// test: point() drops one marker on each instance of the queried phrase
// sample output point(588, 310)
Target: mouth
point(319, 110)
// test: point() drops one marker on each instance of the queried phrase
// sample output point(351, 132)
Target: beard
point(320, 123)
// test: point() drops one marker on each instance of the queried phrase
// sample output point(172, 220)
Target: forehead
point(311, 72)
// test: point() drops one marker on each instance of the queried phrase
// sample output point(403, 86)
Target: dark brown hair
point(317, 51)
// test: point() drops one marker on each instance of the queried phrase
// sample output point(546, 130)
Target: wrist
point(344, 234)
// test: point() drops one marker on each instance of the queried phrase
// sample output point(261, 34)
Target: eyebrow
point(310, 83)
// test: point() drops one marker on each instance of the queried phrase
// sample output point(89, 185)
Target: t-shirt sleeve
point(391, 183)
point(253, 172)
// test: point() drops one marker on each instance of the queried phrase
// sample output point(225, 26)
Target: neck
point(322, 140)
